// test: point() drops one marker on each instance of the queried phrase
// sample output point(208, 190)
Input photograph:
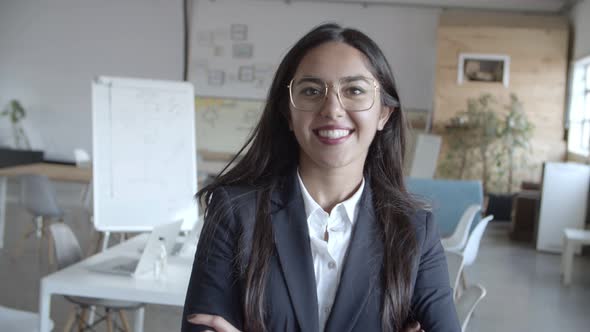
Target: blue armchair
point(448, 199)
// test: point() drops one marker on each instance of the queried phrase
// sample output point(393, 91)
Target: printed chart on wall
point(223, 124)
point(235, 59)
point(144, 167)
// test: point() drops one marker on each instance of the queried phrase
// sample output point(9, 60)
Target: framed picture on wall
point(477, 67)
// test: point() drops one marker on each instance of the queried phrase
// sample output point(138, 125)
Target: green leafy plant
point(483, 144)
point(515, 134)
point(16, 113)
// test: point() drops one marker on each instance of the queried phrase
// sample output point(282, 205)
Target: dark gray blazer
point(291, 300)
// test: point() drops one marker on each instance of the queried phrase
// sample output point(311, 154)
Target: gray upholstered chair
point(39, 199)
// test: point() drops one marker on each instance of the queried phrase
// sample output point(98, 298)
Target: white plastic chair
point(472, 247)
point(467, 302)
point(458, 239)
point(455, 267)
point(18, 320)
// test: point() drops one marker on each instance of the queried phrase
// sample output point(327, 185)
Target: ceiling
point(542, 6)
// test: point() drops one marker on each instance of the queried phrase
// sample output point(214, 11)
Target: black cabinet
point(13, 157)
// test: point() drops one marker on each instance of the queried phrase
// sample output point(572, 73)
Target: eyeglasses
point(355, 94)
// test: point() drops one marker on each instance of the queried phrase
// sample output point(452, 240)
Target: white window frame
point(579, 93)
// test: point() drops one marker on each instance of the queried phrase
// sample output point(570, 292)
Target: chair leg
point(70, 321)
point(94, 243)
point(109, 320)
point(463, 280)
point(39, 226)
point(82, 321)
point(50, 249)
point(91, 315)
point(124, 321)
point(98, 244)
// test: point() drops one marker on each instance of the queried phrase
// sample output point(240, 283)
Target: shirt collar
point(350, 205)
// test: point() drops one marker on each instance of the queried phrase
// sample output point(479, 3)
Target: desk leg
point(44, 309)
point(138, 319)
point(567, 262)
point(3, 182)
point(105, 241)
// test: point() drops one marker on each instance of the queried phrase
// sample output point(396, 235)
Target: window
point(579, 111)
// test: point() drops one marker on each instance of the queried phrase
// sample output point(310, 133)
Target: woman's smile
point(333, 135)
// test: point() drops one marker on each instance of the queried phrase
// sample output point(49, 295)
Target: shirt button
point(326, 310)
point(331, 265)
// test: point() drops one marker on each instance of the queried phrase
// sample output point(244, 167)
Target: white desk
point(572, 240)
point(77, 280)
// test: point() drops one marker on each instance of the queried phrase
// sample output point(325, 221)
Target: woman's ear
point(386, 112)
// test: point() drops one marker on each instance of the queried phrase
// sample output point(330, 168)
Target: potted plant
point(485, 145)
point(16, 113)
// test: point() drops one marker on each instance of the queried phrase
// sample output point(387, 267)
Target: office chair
point(39, 199)
point(68, 252)
point(458, 239)
point(472, 247)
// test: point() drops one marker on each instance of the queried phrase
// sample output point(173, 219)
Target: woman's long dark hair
point(272, 151)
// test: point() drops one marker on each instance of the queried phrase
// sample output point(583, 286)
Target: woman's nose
point(332, 107)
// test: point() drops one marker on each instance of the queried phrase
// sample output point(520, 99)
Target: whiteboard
point(563, 202)
point(144, 167)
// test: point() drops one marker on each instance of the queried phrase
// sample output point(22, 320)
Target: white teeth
point(333, 134)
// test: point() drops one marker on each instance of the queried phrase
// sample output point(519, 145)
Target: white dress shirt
point(328, 256)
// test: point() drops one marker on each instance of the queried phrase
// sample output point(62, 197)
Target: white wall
point(580, 16)
point(406, 35)
point(51, 49)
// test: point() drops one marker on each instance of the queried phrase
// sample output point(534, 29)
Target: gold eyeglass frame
point(326, 86)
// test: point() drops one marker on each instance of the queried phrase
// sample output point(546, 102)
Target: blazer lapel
point(292, 242)
point(361, 269)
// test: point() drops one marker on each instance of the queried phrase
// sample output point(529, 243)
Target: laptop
point(188, 246)
point(133, 266)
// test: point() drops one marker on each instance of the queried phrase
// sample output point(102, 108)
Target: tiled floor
point(524, 289)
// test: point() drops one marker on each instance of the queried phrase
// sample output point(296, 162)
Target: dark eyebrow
point(320, 81)
point(309, 79)
point(353, 78)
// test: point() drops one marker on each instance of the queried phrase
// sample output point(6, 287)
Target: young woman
point(313, 229)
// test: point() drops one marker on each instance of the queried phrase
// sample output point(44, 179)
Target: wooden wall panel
point(537, 47)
